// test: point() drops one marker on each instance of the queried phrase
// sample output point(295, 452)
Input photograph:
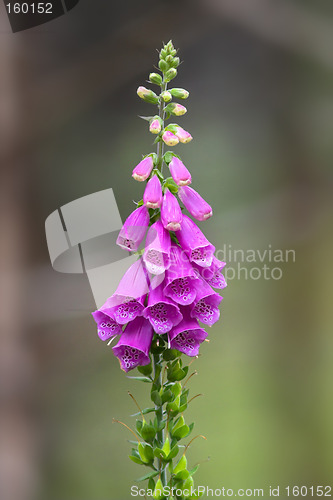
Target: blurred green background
point(260, 111)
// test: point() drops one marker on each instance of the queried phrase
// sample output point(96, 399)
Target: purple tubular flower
point(171, 214)
point(213, 274)
point(134, 229)
point(194, 203)
point(152, 196)
point(128, 300)
point(143, 169)
point(107, 328)
point(132, 349)
point(162, 312)
point(195, 244)
point(179, 172)
point(187, 335)
point(205, 307)
point(157, 248)
point(180, 278)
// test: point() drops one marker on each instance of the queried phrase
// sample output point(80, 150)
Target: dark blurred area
point(260, 76)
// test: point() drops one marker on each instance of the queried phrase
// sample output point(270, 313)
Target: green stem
point(161, 114)
point(157, 360)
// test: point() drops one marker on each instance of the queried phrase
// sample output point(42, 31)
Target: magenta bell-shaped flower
point(205, 307)
point(213, 274)
point(194, 203)
point(195, 243)
point(133, 347)
point(134, 229)
point(128, 300)
point(180, 278)
point(157, 248)
point(171, 214)
point(153, 196)
point(187, 335)
point(179, 172)
point(161, 311)
point(143, 169)
point(107, 327)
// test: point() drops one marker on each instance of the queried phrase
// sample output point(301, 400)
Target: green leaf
point(173, 453)
point(167, 157)
point(170, 354)
point(176, 388)
point(147, 369)
point(151, 484)
point(181, 432)
point(144, 411)
point(139, 204)
point(172, 127)
point(182, 474)
point(167, 395)
point(156, 398)
point(182, 464)
point(147, 476)
point(136, 460)
point(146, 118)
point(138, 425)
point(146, 452)
point(171, 185)
point(159, 453)
point(141, 379)
point(194, 470)
point(148, 432)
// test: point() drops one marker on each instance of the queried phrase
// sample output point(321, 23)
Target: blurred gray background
point(260, 75)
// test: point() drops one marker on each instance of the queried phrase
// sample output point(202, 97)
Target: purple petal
point(179, 172)
point(205, 308)
point(128, 300)
point(194, 203)
point(171, 214)
point(152, 196)
point(133, 346)
point(157, 249)
point(213, 274)
point(162, 312)
point(180, 278)
point(134, 229)
point(195, 244)
point(187, 336)
point(107, 327)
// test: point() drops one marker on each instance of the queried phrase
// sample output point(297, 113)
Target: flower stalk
point(163, 296)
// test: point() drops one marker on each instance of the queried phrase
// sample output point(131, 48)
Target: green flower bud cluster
point(157, 446)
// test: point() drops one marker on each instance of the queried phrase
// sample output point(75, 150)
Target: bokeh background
point(260, 74)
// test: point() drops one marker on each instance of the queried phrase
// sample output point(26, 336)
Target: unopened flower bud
point(169, 59)
point(163, 65)
point(176, 109)
point(155, 126)
point(166, 96)
point(152, 197)
point(169, 138)
point(183, 136)
point(155, 78)
point(180, 93)
point(147, 95)
point(179, 172)
point(143, 169)
point(175, 62)
point(170, 74)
